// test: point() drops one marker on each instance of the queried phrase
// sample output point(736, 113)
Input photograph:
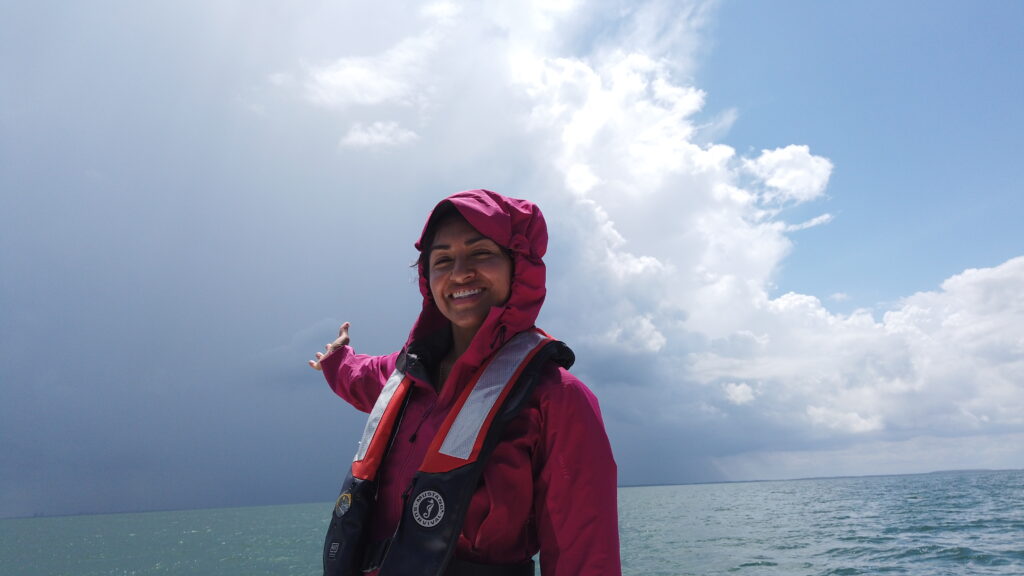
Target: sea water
point(928, 525)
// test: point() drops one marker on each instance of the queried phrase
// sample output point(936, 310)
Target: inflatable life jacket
point(435, 503)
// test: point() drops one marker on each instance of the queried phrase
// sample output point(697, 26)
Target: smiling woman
point(481, 449)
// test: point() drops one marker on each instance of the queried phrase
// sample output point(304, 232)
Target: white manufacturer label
point(428, 508)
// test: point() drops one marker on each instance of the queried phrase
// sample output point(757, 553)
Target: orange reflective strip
point(380, 434)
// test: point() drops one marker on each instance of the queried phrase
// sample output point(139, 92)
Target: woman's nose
point(463, 269)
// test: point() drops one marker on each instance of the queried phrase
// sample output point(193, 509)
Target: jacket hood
point(516, 225)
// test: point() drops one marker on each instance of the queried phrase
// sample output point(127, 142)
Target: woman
point(534, 473)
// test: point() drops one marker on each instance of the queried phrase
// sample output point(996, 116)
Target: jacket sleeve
point(357, 378)
point(576, 501)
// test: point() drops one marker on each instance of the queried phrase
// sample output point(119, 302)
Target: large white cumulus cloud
point(948, 361)
point(669, 242)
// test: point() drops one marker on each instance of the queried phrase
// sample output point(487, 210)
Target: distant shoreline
point(802, 478)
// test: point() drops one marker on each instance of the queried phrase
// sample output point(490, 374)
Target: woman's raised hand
point(342, 340)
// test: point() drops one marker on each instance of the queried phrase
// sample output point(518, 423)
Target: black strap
point(463, 568)
point(374, 554)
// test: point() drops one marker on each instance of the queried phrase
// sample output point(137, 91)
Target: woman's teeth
point(466, 293)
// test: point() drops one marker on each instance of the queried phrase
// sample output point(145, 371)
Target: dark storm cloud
point(160, 242)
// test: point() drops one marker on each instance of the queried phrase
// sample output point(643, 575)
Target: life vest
point(435, 503)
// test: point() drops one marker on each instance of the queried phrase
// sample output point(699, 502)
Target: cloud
point(443, 12)
point(948, 360)
point(966, 346)
point(792, 174)
point(843, 421)
point(739, 393)
point(398, 75)
point(816, 221)
point(376, 135)
point(391, 77)
point(637, 335)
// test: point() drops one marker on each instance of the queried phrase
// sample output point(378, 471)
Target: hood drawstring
point(499, 337)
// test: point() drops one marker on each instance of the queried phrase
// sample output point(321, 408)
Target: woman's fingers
point(342, 340)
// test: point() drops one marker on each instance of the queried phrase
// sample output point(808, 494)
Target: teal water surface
point(931, 524)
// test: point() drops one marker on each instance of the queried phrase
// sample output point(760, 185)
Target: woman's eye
point(441, 261)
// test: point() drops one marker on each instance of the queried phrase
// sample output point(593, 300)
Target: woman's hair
point(442, 213)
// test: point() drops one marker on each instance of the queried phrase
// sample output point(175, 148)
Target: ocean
point(949, 523)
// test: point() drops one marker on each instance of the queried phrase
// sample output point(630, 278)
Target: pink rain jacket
point(550, 485)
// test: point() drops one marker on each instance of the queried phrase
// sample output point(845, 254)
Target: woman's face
point(469, 273)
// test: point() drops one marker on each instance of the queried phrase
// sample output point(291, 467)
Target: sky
point(784, 236)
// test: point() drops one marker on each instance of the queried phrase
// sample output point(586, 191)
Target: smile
point(466, 293)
